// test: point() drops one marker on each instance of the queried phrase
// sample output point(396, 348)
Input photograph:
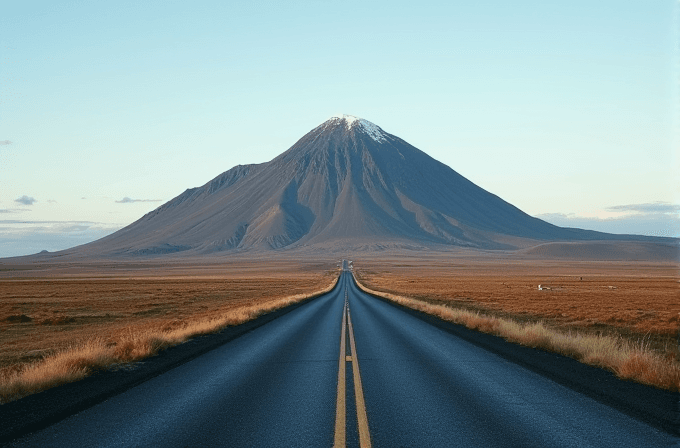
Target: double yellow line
point(340, 412)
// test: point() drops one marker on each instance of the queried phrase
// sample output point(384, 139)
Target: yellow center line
point(362, 418)
point(340, 411)
point(340, 402)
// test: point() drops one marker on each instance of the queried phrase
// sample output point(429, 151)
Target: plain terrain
point(48, 309)
point(635, 301)
point(628, 296)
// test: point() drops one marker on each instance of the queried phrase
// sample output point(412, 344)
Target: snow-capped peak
point(369, 128)
point(348, 119)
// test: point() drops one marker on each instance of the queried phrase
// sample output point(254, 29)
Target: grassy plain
point(631, 308)
point(58, 324)
point(68, 319)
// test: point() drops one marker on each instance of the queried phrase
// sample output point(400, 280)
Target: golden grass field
point(55, 330)
point(59, 323)
point(633, 308)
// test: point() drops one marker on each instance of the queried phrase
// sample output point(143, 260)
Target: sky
point(567, 110)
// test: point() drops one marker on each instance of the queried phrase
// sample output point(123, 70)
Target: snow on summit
point(369, 128)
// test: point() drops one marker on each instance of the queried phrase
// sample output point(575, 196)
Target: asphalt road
point(278, 386)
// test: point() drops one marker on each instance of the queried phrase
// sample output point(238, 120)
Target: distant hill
point(345, 184)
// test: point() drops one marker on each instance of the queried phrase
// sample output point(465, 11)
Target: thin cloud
point(75, 228)
point(127, 200)
point(90, 223)
point(550, 216)
point(26, 200)
point(5, 142)
point(652, 224)
point(30, 237)
point(14, 210)
point(648, 208)
point(9, 227)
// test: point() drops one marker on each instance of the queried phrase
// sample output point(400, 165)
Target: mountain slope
point(345, 181)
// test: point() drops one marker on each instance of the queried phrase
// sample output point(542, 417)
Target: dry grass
point(627, 359)
point(644, 302)
point(633, 300)
point(96, 324)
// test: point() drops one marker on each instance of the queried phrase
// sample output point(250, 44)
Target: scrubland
point(57, 330)
point(619, 316)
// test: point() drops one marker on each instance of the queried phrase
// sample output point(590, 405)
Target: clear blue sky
point(568, 110)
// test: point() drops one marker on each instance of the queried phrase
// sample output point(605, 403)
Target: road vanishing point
point(348, 369)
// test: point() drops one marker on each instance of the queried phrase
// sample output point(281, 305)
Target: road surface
point(283, 384)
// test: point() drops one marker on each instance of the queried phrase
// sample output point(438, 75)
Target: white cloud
point(127, 200)
point(26, 200)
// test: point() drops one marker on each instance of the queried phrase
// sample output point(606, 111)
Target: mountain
point(346, 184)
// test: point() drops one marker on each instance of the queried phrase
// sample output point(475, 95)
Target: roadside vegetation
point(628, 358)
point(137, 334)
